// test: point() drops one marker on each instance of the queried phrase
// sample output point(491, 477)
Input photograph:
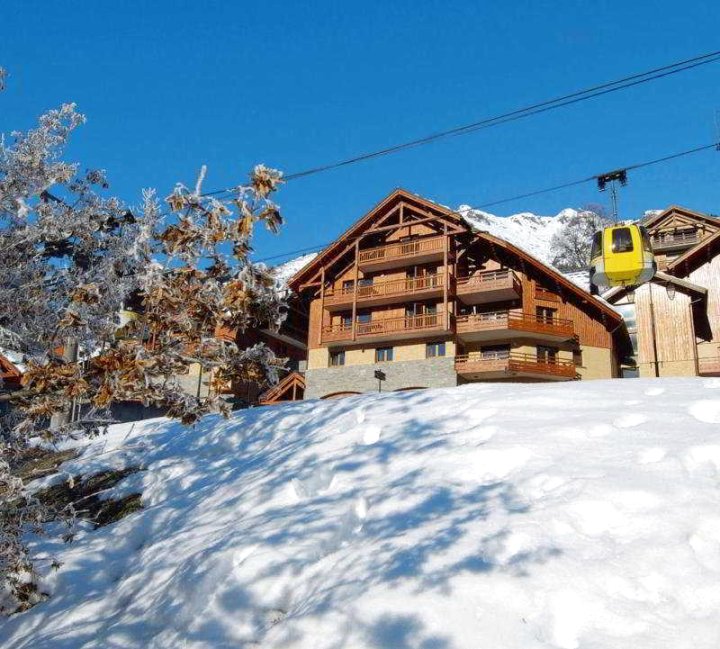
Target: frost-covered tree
point(570, 247)
point(70, 258)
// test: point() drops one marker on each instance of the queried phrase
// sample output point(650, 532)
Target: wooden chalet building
point(411, 290)
point(674, 321)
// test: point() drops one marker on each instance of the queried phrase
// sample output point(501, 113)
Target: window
point(365, 281)
point(547, 354)
point(622, 240)
point(348, 286)
point(433, 350)
point(545, 314)
point(629, 314)
point(383, 354)
point(597, 244)
point(346, 320)
point(337, 358)
point(364, 317)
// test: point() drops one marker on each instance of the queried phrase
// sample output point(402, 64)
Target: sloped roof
point(695, 254)
point(360, 226)
point(660, 278)
point(400, 194)
point(654, 220)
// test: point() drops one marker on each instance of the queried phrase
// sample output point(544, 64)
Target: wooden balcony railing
point(527, 322)
point(385, 327)
point(401, 250)
point(674, 239)
point(504, 283)
point(378, 291)
point(478, 363)
point(709, 366)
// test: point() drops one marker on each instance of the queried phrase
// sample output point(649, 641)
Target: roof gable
point(697, 255)
point(400, 208)
point(677, 216)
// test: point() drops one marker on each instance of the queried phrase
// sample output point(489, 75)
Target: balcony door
point(545, 314)
point(419, 277)
point(547, 354)
point(421, 314)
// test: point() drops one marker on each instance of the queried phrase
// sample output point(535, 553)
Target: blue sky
point(168, 86)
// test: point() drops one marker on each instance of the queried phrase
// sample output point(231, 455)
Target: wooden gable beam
point(392, 212)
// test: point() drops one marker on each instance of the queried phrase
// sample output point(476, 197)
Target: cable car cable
point(581, 181)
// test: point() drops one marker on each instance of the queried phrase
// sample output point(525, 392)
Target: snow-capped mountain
point(531, 232)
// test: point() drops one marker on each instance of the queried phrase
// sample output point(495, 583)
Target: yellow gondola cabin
point(622, 255)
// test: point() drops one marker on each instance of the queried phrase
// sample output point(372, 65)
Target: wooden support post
point(446, 321)
point(322, 305)
point(355, 291)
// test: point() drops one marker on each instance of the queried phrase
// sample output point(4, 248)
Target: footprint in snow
point(706, 411)
point(651, 455)
point(654, 392)
point(630, 421)
point(349, 525)
point(705, 544)
point(371, 435)
point(317, 483)
point(360, 415)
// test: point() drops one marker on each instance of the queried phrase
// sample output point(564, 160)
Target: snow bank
point(486, 516)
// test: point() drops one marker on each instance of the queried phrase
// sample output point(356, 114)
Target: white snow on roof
point(283, 272)
point(552, 516)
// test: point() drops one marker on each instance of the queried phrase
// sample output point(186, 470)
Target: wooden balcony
point(386, 329)
point(709, 366)
point(387, 292)
point(674, 240)
point(500, 365)
point(393, 255)
point(488, 286)
point(505, 325)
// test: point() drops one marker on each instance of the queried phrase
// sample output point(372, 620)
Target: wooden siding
point(674, 334)
point(520, 285)
point(708, 275)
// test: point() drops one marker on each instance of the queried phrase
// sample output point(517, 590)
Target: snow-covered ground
point(576, 515)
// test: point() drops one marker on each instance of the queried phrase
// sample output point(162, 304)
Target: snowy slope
point(582, 515)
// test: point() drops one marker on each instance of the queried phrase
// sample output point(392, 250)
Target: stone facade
point(425, 373)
